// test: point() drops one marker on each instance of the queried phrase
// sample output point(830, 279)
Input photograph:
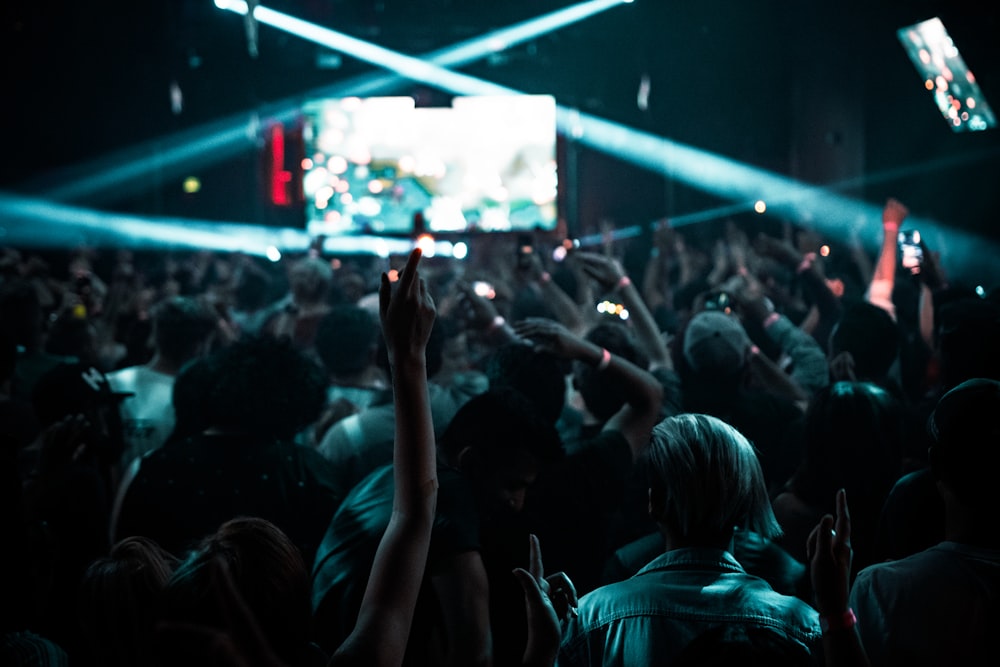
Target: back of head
point(538, 375)
point(705, 480)
point(854, 440)
point(310, 280)
point(21, 312)
point(268, 573)
point(602, 398)
point(716, 345)
point(181, 327)
point(264, 386)
point(192, 386)
point(119, 601)
point(965, 452)
point(967, 333)
point(347, 339)
point(499, 421)
point(871, 336)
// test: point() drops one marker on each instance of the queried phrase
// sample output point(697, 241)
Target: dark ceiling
point(818, 91)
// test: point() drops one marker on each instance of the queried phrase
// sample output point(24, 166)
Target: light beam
point(131, 170)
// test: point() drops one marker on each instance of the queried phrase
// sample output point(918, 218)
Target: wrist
point(844, 620)
point(622, 283)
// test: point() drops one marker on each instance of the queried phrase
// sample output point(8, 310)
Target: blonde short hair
point(709, 479)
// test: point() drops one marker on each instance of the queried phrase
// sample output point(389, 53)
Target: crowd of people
point(707, 445)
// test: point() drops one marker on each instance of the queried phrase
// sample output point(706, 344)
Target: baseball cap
point(71, 388)
point(715, 343)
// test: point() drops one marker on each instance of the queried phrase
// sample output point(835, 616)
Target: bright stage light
point(708, 172)
point(38, 223)
point(130, 170)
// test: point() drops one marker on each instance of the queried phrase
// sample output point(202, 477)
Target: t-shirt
point(346, 555)
point(148, 416)
point(185, 490)
point(936, 607)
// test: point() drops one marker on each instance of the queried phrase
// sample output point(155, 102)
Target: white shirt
point(148, 416)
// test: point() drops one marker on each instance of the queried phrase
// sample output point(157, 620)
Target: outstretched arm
point(611, 275)
point(643, 392)
point(382, 631)
point(880, 290)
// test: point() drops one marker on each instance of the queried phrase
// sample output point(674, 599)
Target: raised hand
point(547, 600)
point(829, 551)
point(605, 270)
point(406, 310)
point(552, 337)
point(893, 213)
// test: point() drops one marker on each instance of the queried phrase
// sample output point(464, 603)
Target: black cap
point(72, 388)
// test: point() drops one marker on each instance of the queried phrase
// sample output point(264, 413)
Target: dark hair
point(119, 601)
point(72, 336)
point(268, 572)
point(538, 375)
point(968, 330)
point(264, 386)
point(180, 325)
point(602, 398)
point(871, 336)
point(253, 286)
point(346, 339)
point(192, 386)
point(964, 432)
point(854, 434)
point(501, 420)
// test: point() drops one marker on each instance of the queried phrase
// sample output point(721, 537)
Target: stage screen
point(484, 164)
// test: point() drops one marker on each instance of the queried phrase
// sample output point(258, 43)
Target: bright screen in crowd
point(484, 164)
point(956, 93)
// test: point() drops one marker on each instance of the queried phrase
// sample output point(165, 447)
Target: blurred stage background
point(821, 94)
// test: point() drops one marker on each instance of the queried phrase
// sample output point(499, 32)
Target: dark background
point(821, 92)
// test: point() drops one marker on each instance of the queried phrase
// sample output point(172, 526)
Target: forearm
point(414, 456)
point(809, 364)
point(566, 310)
point(645, 327)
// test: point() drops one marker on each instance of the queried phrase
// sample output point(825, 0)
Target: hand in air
point(547, 600)
point(407, 310)
point(830, 555)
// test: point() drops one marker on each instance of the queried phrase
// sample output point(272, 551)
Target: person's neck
point(674, 542)
point(161, 364)
point(967, 527)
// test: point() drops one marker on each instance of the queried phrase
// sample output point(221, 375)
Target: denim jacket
point(650, 618)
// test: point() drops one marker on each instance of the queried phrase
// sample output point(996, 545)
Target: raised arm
point(382, 631)
point(880, 289)
point(611, 275)
point(643, 392)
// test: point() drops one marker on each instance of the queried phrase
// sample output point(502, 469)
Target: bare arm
point(880, 289)
point(611, 275)
point(383, 625)
point(643, 392)
point(464, 593)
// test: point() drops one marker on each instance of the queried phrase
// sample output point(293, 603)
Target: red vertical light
point(280, 177)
